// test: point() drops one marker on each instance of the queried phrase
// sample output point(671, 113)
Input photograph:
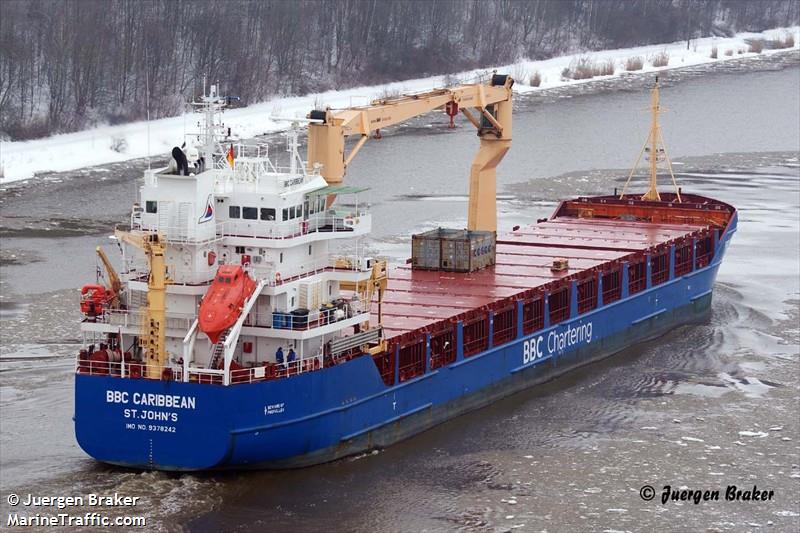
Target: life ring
point(277, 277)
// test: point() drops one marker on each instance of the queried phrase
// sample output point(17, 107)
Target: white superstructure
point(236, 206)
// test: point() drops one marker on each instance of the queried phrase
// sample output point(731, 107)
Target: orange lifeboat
point(223, 302)
point(95, 298)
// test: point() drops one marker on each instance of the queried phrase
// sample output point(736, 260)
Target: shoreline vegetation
point(20, 160)
point(71, 65)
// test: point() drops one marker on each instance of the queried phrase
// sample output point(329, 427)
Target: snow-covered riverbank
point(107, 144)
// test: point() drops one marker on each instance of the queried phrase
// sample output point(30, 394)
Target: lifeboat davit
point(223, 302)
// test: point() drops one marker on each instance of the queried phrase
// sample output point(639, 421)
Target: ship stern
point(151, 424)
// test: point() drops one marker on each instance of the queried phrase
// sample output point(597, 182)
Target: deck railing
point(238, 375)
point(342, 309)
point(331, 221)
point(127, 369)
point(257, 268)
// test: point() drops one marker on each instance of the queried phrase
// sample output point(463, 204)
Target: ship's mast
point(211, 105)
point(210, 123)
point(656, 149)
point(652, 192)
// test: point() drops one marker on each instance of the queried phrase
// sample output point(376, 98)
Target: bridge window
point(239, 249)
point(285, 214)
point(267, 213)
point(234, 211)
point(298, 211)
point(250, 213)
point(151, 206)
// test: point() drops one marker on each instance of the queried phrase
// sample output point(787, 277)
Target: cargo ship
point(234, 335)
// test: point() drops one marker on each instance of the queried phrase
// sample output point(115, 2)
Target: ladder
point(218, 350)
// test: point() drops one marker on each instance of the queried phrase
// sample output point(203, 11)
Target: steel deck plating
point(418, 298)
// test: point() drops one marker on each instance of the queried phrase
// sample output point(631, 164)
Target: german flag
point(229, 156)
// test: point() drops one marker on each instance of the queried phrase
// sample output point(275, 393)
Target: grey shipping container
point(425, 252)
point(453, 250)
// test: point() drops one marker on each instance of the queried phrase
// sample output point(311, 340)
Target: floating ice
point(759, 434)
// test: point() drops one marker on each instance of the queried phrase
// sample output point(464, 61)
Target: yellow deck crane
point(153, 336)
point(326, 138)
point(329, 129)
point(114, 284)
point(376, 284)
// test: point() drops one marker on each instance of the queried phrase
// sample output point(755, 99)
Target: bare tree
point(66, 64)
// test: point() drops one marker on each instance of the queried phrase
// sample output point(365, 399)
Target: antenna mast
point(656, 150)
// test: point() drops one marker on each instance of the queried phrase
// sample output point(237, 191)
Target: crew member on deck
point(279, 355)
point(292, 356)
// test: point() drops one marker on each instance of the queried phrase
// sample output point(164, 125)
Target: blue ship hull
point(346, 409)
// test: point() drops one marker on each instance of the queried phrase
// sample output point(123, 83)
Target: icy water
point(704, 407)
